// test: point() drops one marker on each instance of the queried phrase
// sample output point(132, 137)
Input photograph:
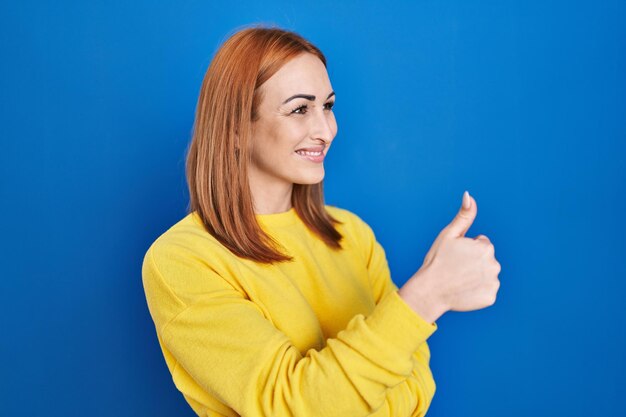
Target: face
point(295, 125)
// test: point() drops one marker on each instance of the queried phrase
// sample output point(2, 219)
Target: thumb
point(464, 218)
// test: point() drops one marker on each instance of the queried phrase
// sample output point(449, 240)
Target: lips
point(312, 153)
point(312, 149)
point(309, 153)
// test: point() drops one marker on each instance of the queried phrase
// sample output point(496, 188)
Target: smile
point(312, 156)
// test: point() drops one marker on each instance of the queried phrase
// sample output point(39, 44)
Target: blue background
point(522, 103)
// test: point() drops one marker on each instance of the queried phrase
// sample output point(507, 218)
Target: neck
point(270, 197)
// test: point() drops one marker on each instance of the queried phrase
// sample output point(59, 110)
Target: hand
point(458, 273)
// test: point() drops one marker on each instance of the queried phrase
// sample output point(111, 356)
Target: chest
point(313, 297)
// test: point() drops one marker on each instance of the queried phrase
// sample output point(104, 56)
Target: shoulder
point(185, 262)
point(188, 233)
point(352, 222)
point(187, 243)
point(340, 213)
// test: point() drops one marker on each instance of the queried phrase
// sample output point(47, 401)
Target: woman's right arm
point(225, 343)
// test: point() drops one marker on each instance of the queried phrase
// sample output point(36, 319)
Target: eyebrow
point(306, 96)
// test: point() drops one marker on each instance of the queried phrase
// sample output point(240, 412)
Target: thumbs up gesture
point(458, 273)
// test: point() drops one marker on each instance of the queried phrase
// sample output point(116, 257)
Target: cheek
point(271, 145)
point(262, 144)
point(289, 135)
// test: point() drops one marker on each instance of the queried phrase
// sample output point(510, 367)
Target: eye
point(329, 105)
point(300, 109)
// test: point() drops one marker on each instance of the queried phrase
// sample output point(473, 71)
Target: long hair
point(218, 155)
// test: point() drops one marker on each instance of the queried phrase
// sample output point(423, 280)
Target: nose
point(323, 126)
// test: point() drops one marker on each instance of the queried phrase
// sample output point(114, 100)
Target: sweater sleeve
point(225, 343)
point(421, 383)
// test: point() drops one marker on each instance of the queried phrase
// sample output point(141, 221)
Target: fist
point(461, 272)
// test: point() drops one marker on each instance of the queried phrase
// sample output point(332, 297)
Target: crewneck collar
point(284, 218)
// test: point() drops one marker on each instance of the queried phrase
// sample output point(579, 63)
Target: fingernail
point(466, 200)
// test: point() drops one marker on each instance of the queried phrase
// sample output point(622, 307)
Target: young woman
point(266, 301)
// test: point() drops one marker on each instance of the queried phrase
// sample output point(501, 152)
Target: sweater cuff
point(396, 322)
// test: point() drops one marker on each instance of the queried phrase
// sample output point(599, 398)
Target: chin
point(309, 179)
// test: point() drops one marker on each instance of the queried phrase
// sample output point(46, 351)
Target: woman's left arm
point(421, 383)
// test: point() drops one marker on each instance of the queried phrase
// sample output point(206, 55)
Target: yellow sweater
point(324, 335)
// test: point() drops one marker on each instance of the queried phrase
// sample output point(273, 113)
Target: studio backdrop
point(523, 103)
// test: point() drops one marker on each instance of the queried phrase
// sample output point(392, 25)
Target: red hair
point(218, 155)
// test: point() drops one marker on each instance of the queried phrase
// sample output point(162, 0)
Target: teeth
point(309, 153)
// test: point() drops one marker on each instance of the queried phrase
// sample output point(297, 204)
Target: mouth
point(312, 154)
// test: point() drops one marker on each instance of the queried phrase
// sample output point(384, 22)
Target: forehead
point(303, 74)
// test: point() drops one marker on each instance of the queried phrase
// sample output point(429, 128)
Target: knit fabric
point(324, 335)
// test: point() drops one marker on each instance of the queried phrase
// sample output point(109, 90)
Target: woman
point(266, 301)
